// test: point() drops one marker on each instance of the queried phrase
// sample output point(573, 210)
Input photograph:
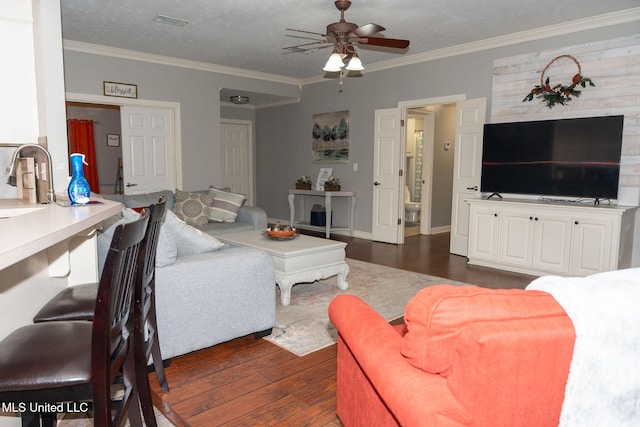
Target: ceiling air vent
point(163, 19)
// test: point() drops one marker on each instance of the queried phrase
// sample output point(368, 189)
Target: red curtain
point(81, 140)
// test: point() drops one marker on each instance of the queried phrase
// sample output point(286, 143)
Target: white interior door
point(147, 149)
point(388, 157)
point(235, 158)
point(470, 119)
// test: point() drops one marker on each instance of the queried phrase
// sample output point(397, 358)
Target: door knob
point(376, 183)
point(131, 185)
point(474, 188)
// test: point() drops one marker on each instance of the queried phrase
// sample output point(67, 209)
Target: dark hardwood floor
point(248, 382)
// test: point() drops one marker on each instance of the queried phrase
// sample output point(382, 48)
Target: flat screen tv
point(575, 158)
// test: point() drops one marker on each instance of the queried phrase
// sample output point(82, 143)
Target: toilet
point(411, 209)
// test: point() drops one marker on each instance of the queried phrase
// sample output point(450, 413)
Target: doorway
point(438, 141)
point(236, 156)
point(430, 132)
point(389, 164)
point(172, 158)
point(106, 122)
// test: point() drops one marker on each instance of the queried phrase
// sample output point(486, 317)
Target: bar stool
point(78, 302)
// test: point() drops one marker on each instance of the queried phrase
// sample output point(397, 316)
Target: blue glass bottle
point(78, 189)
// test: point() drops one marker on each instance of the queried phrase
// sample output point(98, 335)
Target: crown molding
point(279, 103)
point(599, 21)
point(133, 55)
point(258, 107)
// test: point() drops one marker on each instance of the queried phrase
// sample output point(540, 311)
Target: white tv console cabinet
point(533, 237)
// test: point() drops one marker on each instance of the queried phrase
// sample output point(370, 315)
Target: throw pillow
point(225, 205)
point(189, 240)
point(166, 251)
point(190, 207)
point(105, 235)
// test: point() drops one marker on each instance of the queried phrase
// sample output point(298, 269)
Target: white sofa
point(205, 298)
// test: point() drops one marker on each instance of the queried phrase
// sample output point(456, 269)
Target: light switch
point(447, 145)
point(355, 167)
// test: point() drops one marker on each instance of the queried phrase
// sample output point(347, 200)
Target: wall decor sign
point(113, 140)
point(122, 90)
point(330, 137)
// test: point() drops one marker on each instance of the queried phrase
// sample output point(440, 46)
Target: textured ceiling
point(250, 34)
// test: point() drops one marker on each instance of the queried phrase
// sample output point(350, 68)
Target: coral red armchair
point(466, 356)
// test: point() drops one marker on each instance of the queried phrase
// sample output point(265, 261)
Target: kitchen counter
point(43, 249)
point(44, 226)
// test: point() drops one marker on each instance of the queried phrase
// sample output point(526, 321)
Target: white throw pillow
point(166, 251)
point(105, 235)
point(225, 205)
point(189, 240)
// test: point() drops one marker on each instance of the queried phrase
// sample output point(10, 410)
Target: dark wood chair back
point(146, 340)
point(113, 327)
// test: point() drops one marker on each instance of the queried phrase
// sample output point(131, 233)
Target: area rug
point(304, 327)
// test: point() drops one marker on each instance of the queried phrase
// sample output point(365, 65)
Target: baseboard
point(441, 229)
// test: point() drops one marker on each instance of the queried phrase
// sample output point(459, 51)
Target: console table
point(298, 199)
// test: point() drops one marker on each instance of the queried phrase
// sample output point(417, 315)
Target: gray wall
point(283, 132)
point(283, 142)
point(197, 92)
point(442, 189)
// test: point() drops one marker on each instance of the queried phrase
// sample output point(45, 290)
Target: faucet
point(51, 195)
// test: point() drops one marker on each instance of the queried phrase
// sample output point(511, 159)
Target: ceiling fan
point(343, 35)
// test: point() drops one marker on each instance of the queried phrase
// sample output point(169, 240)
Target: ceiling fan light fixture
point(239, 99)
point(355, 64)
point(334, 63)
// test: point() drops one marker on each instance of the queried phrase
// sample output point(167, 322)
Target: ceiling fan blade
point(307, 32)
point(303, 49)
point(304, 45)
point(368, 30)
point(384, 42)
point(294, 36)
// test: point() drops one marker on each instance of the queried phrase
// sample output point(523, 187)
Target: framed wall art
point(113, 140)
point(330, 137)
point(122, 90)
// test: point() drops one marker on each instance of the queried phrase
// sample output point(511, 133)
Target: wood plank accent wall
point(614, 67)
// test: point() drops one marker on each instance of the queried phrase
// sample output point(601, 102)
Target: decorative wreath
point(558, 94)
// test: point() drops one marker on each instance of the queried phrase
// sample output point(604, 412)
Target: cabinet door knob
point(376, 183)
point(474, 188)
point(531, 218)
point(576, 222)
point(495, 214)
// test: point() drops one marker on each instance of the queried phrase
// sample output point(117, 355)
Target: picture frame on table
point(323, 176)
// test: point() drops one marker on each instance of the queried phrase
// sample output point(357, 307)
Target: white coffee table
point(304, 259)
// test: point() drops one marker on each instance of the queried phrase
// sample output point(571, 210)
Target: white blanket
point(603, 387)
